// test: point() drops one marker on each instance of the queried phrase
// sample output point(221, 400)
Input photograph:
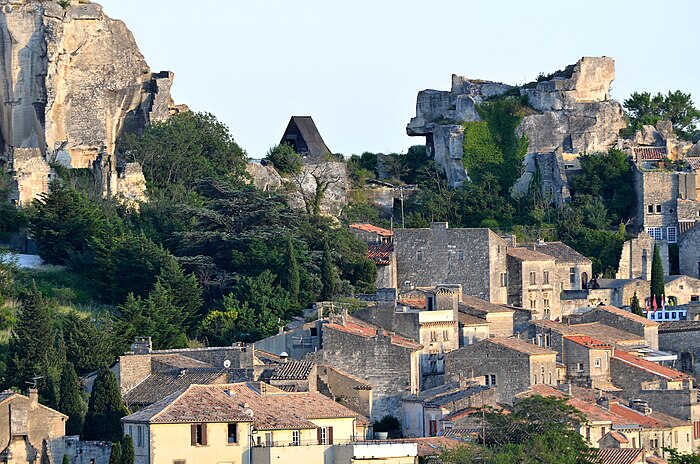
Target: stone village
point(463, 318)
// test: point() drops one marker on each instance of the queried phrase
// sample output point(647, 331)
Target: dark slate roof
point(526, 254)
point(470, 302)
point(679, 326)
point(295, 370)
point(560, 251)
point(305, 126)
point(157, 386)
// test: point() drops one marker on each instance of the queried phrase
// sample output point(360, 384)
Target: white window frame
point(657, 233)
point(296, 437)
point(324, 435)
point(579, 367)
point(598, 362)
point(672, 234)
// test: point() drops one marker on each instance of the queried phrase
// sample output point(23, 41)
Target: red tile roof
point(648, 366)
point(380, 253)
point(616, 455)
point(587, 341)
point(619, 437)
point(655, 420)
point(650, 153)
point(433, 446)
point(589, 409)
point(413, 302)
point(373, 229)
point(357, 327)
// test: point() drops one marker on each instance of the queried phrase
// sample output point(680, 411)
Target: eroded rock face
point(72, 79)
point(574, 114)
point(265, 178)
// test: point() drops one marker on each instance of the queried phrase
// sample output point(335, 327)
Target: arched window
point(584, 280)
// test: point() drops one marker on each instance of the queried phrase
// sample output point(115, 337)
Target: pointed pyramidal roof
point(303, 136)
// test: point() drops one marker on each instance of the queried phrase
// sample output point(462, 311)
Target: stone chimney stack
point(142, 345)
point(33, 395)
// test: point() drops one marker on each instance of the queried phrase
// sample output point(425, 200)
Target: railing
point(282, 443)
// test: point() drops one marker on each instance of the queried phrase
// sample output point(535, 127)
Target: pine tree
point(127, 450)
point(657, 277)
point(635, 307)
point(71, 402)
point(66, 459)
point(327, 274)
point(105, 409)
point(293, 280)
point(116, 456)
point(32, 341)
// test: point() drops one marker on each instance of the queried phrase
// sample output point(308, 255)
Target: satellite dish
point(227, 363)
point(249, 412)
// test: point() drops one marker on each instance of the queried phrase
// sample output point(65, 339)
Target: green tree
point(115, 456)
point(285, 159)
point(184, 149)
point(71, 402)
point(647, 109)
point(635, 307)
point(681, 458)
point(65, 460)
point(127, 450)
point(328, 274)
point(105, 409)
point(657, 277)
point(292, 277)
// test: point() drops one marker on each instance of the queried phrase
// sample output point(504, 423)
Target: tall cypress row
point(657, 277)
point(105, 410)
point(71, 403)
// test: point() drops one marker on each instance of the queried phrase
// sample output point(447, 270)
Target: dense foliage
point(657, 279)
point(644, 108)
point(284, 159)
point(105, 409)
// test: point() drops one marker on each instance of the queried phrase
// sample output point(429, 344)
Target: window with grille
point(672, 234)
point(545, 277)
point(655, 232)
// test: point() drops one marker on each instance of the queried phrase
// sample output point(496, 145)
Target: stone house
point(345, 389)
point(389, 362)
point(573, 270)
point(689, 252)
point(587, 361)
point(532, 283)
point(623, 320)
point(424, 414)
point(637, 255)
point(370, 233)
point(380, 250)
point(28, 428)
point(509, 364)
point(665, 389)
point(241, 423)
point(681, 290)
point(606, 292)
point(501, 318)
point(682, 338)
point(472, 258)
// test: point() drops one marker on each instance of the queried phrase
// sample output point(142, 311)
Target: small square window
point(658, 209)
point(579, 367)
point(597, 362)
point(419, 255)
point(460, 255)
point(232, 433)
point(650, 209)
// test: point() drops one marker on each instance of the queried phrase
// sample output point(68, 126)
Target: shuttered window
point(198, 434)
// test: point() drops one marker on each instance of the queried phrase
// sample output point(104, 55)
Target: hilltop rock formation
point(573, 114)
point(71, 80)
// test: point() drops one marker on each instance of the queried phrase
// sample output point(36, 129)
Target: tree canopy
point(643, 108)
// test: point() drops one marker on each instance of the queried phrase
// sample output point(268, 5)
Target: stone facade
point(682, 290)
point(346, 389)
point(472, 258)
point(73, 79)
point(501, 319)
point(689, 252)
point(509, 364)
point(573, 114)
point(587, 361)
point(637, 255)
point(682, 338)
point(532, 283)
point(623, 320)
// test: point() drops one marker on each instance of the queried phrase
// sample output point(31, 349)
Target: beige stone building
point(573, 269)
point(533, 283)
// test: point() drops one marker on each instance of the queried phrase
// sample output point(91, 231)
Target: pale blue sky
point(356, 66)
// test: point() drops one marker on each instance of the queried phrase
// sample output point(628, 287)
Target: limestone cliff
point(573, 114)
point(71, 80)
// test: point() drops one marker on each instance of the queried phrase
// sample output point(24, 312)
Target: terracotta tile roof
point(618, 436)
point(650, 153)
point(418, 303)
point(525, 254)
point(157, 386)
point(648, 366)
point(362, 329)
point(597, 330)
point(373, 229)
point(626, 314)
point(468, 319)
point(694, 162)
point(655, 420)
point(380, 253)
point(519, 345)
point(561, 252)
point(433, 446)
point(616, 455)
point(470, 302)
point(588, 342)
point(272, 408)
point(656, 460)
point(293, 370)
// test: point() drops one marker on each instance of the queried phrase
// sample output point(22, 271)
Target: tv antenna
point(34, 381)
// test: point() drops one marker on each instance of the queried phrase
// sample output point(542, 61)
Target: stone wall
point(683, 340)
point(391, 370)
point(347, 390)
point(689, 252)
point(522, 293)
point(385, 316)
point(590, 375)
point(474, 258)
point(637, 256)
point(633, 324)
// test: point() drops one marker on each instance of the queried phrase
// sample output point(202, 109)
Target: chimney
point(640, 406)
point(33, 395)
point(569, 390)
point(142, 345)
point(439, 225)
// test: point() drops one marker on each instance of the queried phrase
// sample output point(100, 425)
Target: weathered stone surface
point(72, 79)
point(263, 177)
point(333, 179)
point(574, 114)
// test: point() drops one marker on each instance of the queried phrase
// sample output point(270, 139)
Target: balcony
point(399, 452)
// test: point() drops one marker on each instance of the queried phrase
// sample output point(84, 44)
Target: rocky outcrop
point(71, 80)
point(572, 110)
point(264, 177)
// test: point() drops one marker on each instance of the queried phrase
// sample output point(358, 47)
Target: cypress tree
point(32, 340)
point(105, 409)
point(327, 274)
point(293, 279)
point(657, 277)
point(127, 450)
point(635, 308)
point(116, 456)
point(66, 459)
point(71, 403)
